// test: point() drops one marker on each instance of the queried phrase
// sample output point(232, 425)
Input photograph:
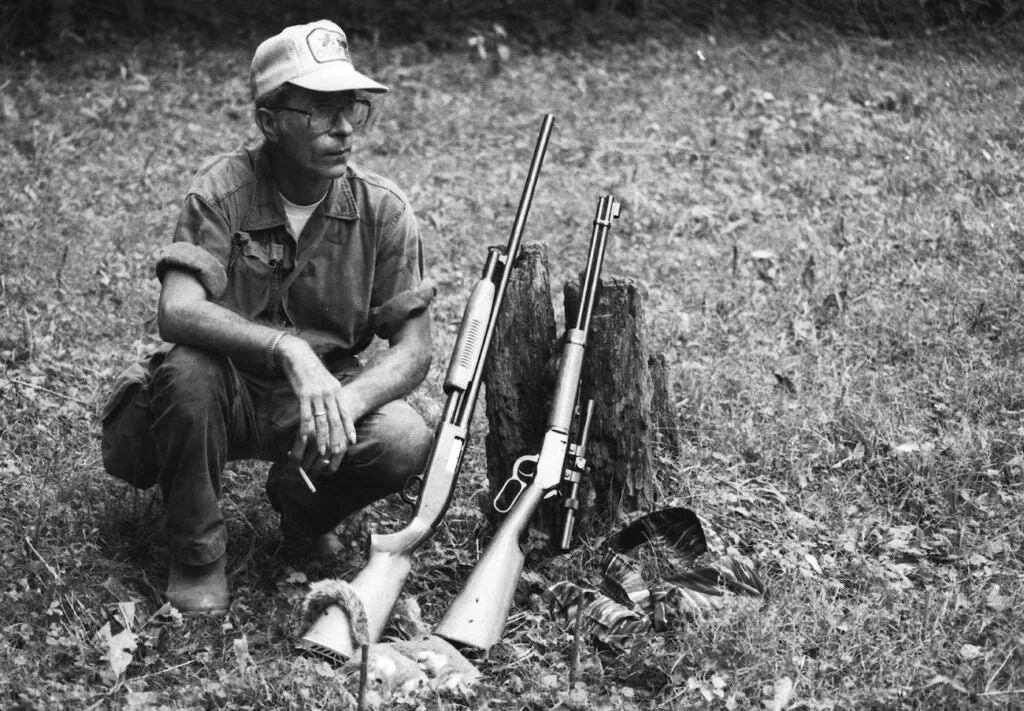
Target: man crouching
point(287, 259)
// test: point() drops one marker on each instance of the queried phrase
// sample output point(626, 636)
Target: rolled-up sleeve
point(399, 289)
point(386, 318)
point(399, 262)
point(202, 246)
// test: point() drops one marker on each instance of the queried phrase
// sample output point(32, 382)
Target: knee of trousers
point(397, 445)
point(191, 382)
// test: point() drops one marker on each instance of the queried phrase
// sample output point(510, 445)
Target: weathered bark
point(667, 434)
point(518, 379)
point(632, 409)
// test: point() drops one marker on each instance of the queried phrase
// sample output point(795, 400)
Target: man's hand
point(327, 418)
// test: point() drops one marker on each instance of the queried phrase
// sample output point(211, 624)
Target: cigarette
point(305, 478)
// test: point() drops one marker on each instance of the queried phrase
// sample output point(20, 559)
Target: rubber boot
point(199, 588)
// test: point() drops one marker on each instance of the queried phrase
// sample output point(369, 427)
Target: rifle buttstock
point(477, 615)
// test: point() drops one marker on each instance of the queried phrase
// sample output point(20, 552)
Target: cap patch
point(328, 46)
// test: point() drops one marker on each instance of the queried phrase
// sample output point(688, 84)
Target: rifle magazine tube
point(574, 473)
point(571, 504)
point(569, 526)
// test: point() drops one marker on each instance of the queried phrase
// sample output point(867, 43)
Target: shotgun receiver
point(477, 616)
point(377, 586)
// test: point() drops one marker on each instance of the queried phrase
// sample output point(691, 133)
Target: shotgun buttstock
point(377, 586)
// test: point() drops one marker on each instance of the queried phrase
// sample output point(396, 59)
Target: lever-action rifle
point(477, 615)
point(378, 585)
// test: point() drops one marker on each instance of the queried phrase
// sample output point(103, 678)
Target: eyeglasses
point(321, 119)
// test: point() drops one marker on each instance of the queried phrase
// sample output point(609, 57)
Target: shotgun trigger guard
point(517, 483)
point(412, 488)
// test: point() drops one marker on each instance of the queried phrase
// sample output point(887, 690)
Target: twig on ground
point(364, 674)
point(50, 568)
point(574, 666)
point(996, 672)
point(27, 384)
point(1002, 693)
point(161, 671)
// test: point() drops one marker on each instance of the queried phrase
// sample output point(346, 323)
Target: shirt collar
point(265, 208)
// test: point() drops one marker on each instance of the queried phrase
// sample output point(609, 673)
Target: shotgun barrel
point(378, 585)
point(477, 615)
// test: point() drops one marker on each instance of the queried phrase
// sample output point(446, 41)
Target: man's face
point(326, 153)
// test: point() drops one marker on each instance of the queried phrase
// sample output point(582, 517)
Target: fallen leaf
point(940, 680)
point(782, 692)
point(912, 447)
point(167, 613)
point(127, 610)
point(242, 657)
point(970, 651)
point(813, 562)
point(117, 649)
point(142, 701)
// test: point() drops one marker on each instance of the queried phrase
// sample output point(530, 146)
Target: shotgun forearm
point(477, 615)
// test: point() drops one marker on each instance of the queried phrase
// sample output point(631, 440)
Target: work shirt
point(360, 256)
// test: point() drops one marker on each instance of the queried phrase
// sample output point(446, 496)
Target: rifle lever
point(517, 483)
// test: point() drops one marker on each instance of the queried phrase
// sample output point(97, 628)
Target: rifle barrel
point(607, 209)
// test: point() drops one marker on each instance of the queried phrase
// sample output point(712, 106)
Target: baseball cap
point(314, 56)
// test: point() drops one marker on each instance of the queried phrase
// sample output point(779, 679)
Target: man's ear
point(269, 124)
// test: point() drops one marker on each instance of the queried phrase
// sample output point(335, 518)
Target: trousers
point(206, 412)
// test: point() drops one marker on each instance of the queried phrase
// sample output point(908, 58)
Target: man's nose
point(341, 126)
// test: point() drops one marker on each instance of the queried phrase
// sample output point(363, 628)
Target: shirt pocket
point(252, 267)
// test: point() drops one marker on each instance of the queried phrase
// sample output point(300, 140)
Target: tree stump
point(633, 414)
point(518, 380)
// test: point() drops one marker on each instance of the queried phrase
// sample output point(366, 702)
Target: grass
point(829, 233)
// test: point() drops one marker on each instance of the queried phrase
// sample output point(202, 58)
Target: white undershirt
point(298, 215)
